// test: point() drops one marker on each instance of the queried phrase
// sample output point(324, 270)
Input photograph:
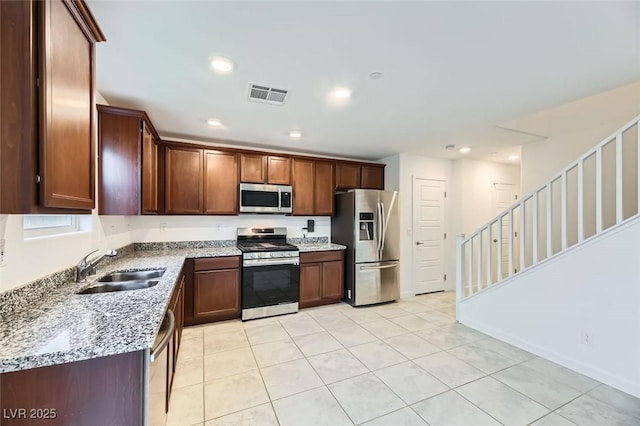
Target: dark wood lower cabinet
point(101, 391)
point(310, 284)
point(321, 278)
point(212, 292)
point(177, 307)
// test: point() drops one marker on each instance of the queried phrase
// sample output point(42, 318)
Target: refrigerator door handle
point(379, 223)
point(393, 265)
point(384, 229)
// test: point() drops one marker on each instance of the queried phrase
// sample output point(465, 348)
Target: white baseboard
point(617, 382)
point(406, 294)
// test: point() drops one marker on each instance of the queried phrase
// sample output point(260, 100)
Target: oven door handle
point(270, 262)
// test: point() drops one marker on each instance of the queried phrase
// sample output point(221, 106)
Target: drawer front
point(321, 256)
point(210, 263)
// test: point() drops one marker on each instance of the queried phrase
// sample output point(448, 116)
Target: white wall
point(592, 288)
point(27, 260)
point(542, 160)
point(404, 167)
point(195, 228)
point(473, 191)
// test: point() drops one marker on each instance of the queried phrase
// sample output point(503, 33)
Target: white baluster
point(638, 164)
point(580, 200)
point(489, 257)
point(479, 271)
point(510, 229)
point(499, 251)
point(549, 220)
point(619, 204)
point(534, 226)
point(563, 208)
point(523, 235)
point(599, 190)
point(470, 266)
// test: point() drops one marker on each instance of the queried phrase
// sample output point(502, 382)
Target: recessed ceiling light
point(465, 150)
point(514, 157)
point(295, 134)
point(222, 65)
point(342, 93)
point(214, 122)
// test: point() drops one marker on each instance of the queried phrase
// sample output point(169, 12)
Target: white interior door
point(505, 194)
point(428, 235)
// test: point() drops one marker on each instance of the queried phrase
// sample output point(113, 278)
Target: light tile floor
point(405, 363)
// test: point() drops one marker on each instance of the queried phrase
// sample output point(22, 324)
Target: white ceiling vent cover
point(267, 94)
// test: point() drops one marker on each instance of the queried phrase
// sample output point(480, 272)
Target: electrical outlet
point(587, 338)
point(163, 227)
point(2, 248)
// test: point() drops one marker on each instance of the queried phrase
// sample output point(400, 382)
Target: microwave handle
point(279, 200)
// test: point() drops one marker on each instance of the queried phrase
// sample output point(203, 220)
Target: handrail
point(475, 260)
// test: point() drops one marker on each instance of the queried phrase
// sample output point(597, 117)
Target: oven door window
point(258, 198)
point(270, 285)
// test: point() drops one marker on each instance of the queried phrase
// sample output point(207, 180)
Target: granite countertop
point(306, 247)
point(62, 326)
point(59, 326)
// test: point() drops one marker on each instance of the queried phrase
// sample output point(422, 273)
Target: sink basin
point(119, 286)
point(132, 276)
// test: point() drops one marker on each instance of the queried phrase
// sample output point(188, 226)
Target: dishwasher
point(158, 373)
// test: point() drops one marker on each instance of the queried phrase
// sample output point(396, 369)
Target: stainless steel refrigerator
point(368, 223)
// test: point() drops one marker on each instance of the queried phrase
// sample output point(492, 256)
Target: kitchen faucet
point(85, 268)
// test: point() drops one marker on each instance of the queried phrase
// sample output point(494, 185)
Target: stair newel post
point(459, 271)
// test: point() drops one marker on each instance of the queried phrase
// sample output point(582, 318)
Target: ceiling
point(453, 72)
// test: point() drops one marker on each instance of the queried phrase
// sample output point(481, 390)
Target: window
point(46, 225)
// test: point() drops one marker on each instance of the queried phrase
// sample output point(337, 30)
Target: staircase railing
point(599, 190)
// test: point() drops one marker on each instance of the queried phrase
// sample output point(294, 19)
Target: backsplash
point(168, 245)
point(209, 228)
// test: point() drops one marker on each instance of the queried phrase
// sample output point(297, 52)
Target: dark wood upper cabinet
point(200, 181)
point(347, 176)
point(259, 168)
point(303, 187)
point(324, 185)
point(278, 170)
point(184, 180)
point(127, 162)
point(220, 182)
point(149, 171)
point(46, 106)
point(252, 168)
point(372, 177)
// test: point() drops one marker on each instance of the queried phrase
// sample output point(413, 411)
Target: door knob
point(495, 240)
point(419, 243)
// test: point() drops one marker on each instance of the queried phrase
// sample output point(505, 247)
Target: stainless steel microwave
point(258, 198)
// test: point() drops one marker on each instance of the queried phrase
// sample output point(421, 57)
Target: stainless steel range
point(270, 272)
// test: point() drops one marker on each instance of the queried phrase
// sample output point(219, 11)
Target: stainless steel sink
point(119, 286)
point(132, 276)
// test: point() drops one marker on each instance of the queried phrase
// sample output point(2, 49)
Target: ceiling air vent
point(267, 94)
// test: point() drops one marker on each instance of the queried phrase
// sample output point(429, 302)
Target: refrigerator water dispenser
point(366, 226)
